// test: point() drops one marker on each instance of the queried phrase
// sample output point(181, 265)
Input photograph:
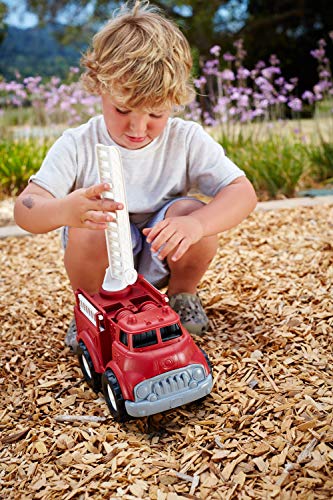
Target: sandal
point(70, 339)
point(191, 313)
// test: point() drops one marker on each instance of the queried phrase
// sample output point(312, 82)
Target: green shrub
point(274, 165)
point(321, 157)
point(18, 161)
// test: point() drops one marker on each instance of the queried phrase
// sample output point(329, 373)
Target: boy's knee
point(208, 246)
point(183, 207)
point(86, 241)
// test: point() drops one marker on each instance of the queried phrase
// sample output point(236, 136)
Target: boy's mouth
point(136, 139)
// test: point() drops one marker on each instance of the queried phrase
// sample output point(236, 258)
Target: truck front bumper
point(167, 402)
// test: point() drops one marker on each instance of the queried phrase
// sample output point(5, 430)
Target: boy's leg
point(186, 273)
point(86, 259)
point(86, 256)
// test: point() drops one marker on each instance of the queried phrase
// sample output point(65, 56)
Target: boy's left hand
point(174, 234)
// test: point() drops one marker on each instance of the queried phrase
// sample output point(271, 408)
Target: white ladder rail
point(121, 271)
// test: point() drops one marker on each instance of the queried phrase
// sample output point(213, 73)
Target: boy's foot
point(191, 313)
point(70, 339)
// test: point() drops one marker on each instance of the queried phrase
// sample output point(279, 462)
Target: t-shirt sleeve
point(58, 171)
point(209, 169)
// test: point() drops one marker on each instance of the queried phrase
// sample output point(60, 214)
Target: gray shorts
point(146, 262)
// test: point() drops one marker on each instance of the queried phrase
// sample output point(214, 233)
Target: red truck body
point(135, 337)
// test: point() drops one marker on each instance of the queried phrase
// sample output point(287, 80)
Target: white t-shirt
point(184, 156)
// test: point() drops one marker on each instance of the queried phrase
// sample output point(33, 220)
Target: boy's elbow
point(21, 217)
point(249, 195)
point(252, 198)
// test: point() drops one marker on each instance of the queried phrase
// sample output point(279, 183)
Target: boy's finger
point(97, 189)
point(181, 250)
point(154, 231)
point(98, 216)
point(95, 225)
point(106, 205)
point(169, 246)
point(163, 238)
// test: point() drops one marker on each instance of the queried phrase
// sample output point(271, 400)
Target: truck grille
point(171, 384)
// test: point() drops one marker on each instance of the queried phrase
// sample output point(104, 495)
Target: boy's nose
point(138, 126)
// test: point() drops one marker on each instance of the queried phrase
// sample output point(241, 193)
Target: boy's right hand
point(85, 208)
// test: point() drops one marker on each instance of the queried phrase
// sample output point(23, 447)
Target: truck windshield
point(170, 332)
point(144, 339)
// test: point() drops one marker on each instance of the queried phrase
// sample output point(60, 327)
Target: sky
point(18, 15)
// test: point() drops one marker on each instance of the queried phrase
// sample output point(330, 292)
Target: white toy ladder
point(121, 271)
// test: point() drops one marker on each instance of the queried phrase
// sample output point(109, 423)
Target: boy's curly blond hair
point(140, 58)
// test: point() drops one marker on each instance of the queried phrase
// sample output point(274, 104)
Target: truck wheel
point(207, 360)
point(113, 396)
point(92, 378)
point(201, 400)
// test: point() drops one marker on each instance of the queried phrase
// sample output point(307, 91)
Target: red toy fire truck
point(131, 343)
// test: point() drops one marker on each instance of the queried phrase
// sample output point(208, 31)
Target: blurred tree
point(290, 29)
point(3, 25)
point(201, 20)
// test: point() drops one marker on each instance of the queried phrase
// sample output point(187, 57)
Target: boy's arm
point(229, 207)
point(38, 211)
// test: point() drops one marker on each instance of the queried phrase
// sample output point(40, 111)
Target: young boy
point(140, 66)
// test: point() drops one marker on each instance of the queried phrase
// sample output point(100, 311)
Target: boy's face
point(132, 129)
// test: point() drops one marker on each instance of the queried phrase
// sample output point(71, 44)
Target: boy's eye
point(153, 115)
point(122, 111)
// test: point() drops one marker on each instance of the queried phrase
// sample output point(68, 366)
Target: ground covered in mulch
point(264, 432)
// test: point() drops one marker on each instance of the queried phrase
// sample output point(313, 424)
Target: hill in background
point(36, 51)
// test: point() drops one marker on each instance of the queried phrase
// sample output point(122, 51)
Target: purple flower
point(257, 112)
point(260, 65)
point(280, 81)
point(242, 73)
point(215, 50)
point(199, 82)
point(228, 57)
point(289, 87)
point(269, 72)
point(274, 61)
point(227, 74)
point(308, 96)
point(210, 67)
point(295, 104)
point(318, 54)
point(243, 101)
point(325, 74)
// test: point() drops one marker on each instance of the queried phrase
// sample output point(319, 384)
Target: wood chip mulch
point(264, 432)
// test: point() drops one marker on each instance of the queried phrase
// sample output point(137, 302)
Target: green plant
point(275, 165)
point(18, 161)
point(321, 156)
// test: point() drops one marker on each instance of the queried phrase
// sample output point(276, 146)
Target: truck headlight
point(198, 373)
point(143, 390)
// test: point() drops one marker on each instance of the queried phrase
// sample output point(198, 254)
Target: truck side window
point(170, 332)
point(144, 339)
point(123, 337)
